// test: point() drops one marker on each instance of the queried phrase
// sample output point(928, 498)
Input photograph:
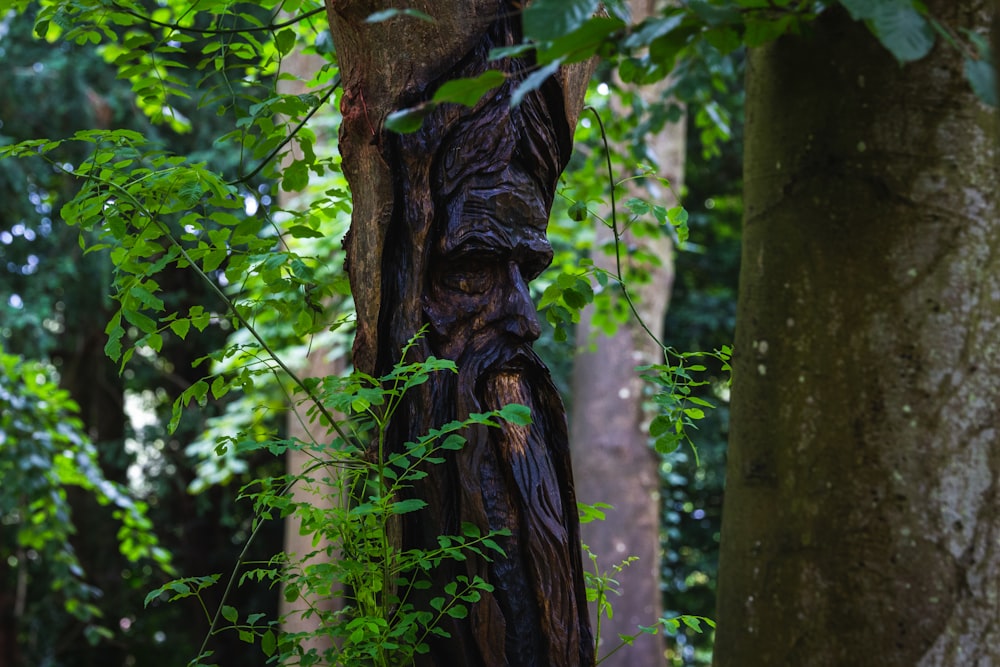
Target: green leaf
point(115, 331)
point(546, 20)
point(678, 217)
point(386, 14)
point(582, 43)
point(408, 505)
point(458, 611)
point(535, 80)
point(760, 32)
point(152, 595)
point(303, 232)
point(230, 613)
point(897, 24)
point(141, 321)
point(574, 299)
point(509, 51)
point(725, 40)
point(285, 41)
point(983, 79)
point(694, 413)
point(859, 10)
point(268, 643)
point(516, 414)
point(637, 206)
point(453, 442)
point(660, 425)
point(406, 121)
point(667, 444)
point(714, 14)
point(652, 29)
point(181, 327)
point(468, 92)
point(692, 622)
point(147, 298)
point(219, 387)
point(200, 318)
point(578, 211)
point(295, 177)
point(198, 390)
point(154, 341)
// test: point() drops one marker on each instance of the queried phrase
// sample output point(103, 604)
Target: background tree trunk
point(317, 364)
point(613, 461)
point(861, 522)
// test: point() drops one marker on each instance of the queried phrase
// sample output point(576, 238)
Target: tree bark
point(447, 231)
point(613, 460)
point(861, 522)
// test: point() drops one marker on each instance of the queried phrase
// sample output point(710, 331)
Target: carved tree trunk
point(448, 228)
point(613, 459)
point(861, 522)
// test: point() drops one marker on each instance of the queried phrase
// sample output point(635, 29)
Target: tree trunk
point(305, 614)
point(861, 522)
point(447, 230)
point(613, 460)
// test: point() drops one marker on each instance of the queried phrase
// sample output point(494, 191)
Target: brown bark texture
point(448, 229)
point(613, 460)
point(862, 518)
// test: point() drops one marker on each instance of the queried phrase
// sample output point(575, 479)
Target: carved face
point(491, 246)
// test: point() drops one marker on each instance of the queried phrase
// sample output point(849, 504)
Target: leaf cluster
point(390, 611)
point(44, 453)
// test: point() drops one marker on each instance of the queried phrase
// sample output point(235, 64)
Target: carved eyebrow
point(480, 227)
point(477, 241)
point(496, 204)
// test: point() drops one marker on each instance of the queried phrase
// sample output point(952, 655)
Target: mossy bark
point(862, 517)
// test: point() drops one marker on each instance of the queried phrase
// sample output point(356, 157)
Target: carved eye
point(469, 276)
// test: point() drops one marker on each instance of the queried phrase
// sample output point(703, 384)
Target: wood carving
point(458, 232)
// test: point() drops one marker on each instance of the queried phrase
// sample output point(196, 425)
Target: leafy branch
point(270, 27)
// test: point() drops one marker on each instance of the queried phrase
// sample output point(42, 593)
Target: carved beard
point(518, 477)
point(514, 477)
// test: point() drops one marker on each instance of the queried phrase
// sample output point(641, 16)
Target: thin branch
point(232, 308)
point(620, 277)
point(291, 135)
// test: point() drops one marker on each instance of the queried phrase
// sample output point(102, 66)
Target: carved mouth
point(516, 361)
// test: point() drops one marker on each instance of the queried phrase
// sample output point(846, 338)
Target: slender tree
point(612, 456)
point(305, 614)
point(861, 522)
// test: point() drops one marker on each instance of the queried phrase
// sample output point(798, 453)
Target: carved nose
point(520, 318)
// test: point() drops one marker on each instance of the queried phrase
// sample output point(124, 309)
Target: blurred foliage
point(55, 305)
point(44, 456)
